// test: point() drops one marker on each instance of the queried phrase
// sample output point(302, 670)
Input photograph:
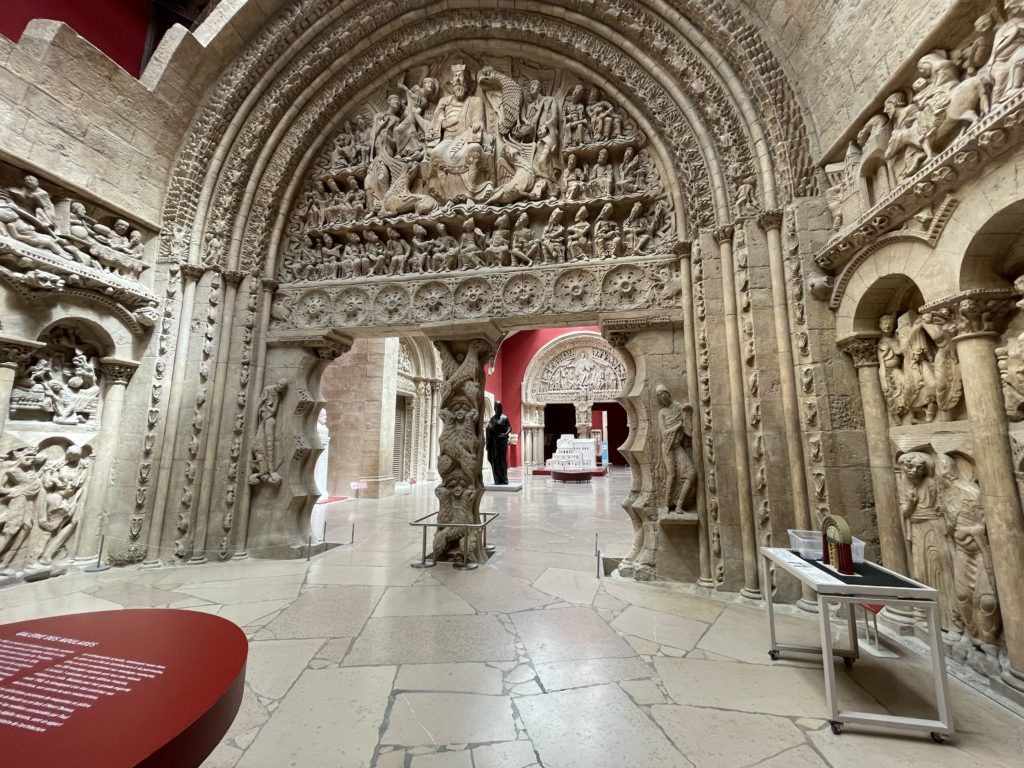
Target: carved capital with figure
point(724, 234)
point(16, 352)
point(116, 371)
point(770, 219)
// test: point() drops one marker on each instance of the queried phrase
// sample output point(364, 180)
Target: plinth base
point(510, 488)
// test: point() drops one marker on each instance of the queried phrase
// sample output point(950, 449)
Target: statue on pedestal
point(499, 430)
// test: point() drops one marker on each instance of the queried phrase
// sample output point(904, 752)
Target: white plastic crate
point(808, 544)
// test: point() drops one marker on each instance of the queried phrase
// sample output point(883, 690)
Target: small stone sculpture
point(264, 447)
point(675, 422)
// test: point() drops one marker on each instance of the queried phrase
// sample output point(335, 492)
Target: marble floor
point(356, 659)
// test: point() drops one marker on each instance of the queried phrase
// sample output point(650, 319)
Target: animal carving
point(511, 97)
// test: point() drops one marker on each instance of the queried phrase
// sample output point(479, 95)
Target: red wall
point(116, 27)
point(510, 366)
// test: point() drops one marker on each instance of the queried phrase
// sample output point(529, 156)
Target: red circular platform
point(149, 687)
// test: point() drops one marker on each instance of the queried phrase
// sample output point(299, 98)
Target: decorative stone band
point(619, 332)
point(964, 159)
point(15, 352)
point(115, 371)
point(558, 291)
point(981, 312)
point(329, 345)
point(771, 219)
point(863, 349)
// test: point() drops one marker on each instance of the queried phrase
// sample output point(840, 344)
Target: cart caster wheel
point(938, 738)
point(836, 726)
point(773, 655)
point(847, 662)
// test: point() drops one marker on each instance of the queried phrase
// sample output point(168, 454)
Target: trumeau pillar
point(460, 462)
point(737, 412)
point(13, 354)
point(433, 432)
point(982, 315)
point(115, 374)
point(584, 418)
point(863, 350)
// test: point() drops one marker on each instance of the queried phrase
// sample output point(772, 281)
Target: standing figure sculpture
point(499, 430)
point(64, 483)
point(264, 442)
point(676, 423)
point(924, 527)
point(20, 487)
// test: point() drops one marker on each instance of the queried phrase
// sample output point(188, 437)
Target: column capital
point(193, 271)
point(15, 352)
point(980, 312)
point(724, 234)
point(117, 371)
point(863, 349)
point(770, 219)
point(233, 276)
point(270, 284)
point(683, 248)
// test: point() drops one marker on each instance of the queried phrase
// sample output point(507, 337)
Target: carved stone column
point(737, 413)
point(685, 251)
point(115, 375)
point(584, 418)
point(981, 316)
point(864, 352)
point(433, 432)
point(771, 223)
point(13, 354)
point(460, 462)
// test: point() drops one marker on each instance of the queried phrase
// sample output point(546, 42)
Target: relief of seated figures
point(462, 142)
point(30, 217)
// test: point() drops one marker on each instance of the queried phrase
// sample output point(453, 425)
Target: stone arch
point(538, 386)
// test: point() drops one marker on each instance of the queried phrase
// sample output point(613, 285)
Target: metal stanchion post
point(99, 566)
point(424, 563)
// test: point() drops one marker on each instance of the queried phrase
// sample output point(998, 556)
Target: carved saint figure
point(64, 483)
point(925, 526)
point(602, 176)
point(890, 368)
point(499, 430)
point(397, 252)
point(264, 448)
point(976, 611)
point(497, 252)
point(552, 239)
point(579, 237)
point(675, 421)
point(20, 488)
point(607, 239)
point(524, 247)
point(1006, 67)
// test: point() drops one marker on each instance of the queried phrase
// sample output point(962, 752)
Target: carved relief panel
point(59, 384)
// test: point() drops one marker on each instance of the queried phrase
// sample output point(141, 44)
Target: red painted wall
point(116, 27)
point(510, 366)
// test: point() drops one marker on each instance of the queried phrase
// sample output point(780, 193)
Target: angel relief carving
point(478, 167)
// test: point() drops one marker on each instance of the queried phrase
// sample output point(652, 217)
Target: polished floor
point(356, 659)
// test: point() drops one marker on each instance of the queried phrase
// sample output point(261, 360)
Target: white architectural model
point(572, 454)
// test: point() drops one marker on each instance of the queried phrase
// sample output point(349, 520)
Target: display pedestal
point(152, 688)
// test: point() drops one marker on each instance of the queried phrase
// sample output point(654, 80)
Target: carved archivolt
point(572, 366)
point(675, 48)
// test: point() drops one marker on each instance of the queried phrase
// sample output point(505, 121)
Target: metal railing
point(465, 565)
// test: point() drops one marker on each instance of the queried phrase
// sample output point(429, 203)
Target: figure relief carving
point(504, 161)
point(40, 491)
point(265, 464)
point(58, 383)
point(675, 422)
point(918, 366)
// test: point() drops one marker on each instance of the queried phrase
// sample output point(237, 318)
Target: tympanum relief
point(470, 176)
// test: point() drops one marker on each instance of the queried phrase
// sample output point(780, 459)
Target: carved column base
point(750, 594)
point(1011, 685)
point(807, 605)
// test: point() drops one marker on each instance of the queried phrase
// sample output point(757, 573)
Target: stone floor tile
point(73, 603)
point(136, 595)
point(394, 759)
point(224, 756)
point(570, 633)
point(780, 690)
point(741, 633)
point(490, 590)
point(445, 718)
point(253, 590)
point(433, 639)
point(329, 712)
point(421, 601)
point(643, 692)
point(667, 598)
point(641, 646)
point(798, 757)
point(658, 627)
point(465, 678)
point(245, 614)
point(573, 586)
point(274, 665)
point(326, 612)
point(715, 738)
point(461, 759)
point(510, 754)
point(397, 576)
point(597, 727)
point(559, 675)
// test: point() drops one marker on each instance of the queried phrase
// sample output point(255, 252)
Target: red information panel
point(149, 687)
